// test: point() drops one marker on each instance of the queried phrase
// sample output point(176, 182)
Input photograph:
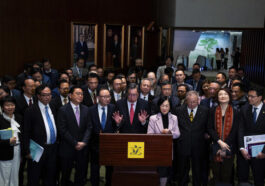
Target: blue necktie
point(103, 118)
point(52, 131)
point(255, 115)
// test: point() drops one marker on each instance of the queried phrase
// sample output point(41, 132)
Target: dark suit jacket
point(191, 140)
point(110, 126)
point(136, 126)
point(53, 75)
point(247, 127)
point(22, 105)
point(174, 103)
point(56, 102)
point(34, 127)
point(69, 130)
point(79, 48)
point(6, 150)
point(113, 98)
point(207, 103)
point(87, 100)
point(231, 140)
point(199, 84)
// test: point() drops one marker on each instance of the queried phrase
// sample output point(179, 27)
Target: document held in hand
point(254, 144)
point(36, 150)
point(6, 134)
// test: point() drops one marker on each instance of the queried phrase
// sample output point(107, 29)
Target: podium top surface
point(135, 149)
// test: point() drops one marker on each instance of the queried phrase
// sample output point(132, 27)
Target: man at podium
point(132, 113)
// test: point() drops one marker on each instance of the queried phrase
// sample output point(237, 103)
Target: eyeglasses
point(105, 97)
point(250, 96)
point(45, 95)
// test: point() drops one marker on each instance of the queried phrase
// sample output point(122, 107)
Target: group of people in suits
point(207, 129)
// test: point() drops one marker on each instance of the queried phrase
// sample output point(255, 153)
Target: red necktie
point(131, 113)
point(30, 102)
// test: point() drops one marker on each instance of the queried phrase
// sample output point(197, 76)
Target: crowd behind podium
point(64, 112)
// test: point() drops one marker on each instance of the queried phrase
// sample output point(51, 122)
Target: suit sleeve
point(241, 131)
point(151, 128)
point(27, 128)
point(175, 130)
point(87, 134)
point(62, 121)
point(210, 126)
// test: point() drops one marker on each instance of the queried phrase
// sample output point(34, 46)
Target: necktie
point(77, 115)
point(144, 98)
point(94, 98)
point(118, 97)
point(103, 118)
point(50, 124)
point(65, 101)
point(131, 113)
point(255, 115)
point(191, 115)
point(30, 101)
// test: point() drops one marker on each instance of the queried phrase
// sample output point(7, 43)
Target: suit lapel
point(159, 122)
point(186, 114)
point(97, 118)
point(71, 112)
point(249, 113)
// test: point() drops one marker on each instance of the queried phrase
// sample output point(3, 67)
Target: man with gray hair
point(145, 88)
point(192, 119)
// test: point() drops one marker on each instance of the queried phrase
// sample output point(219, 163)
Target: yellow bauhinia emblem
point(135, 149)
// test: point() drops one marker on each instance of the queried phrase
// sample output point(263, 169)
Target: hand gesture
point(142, 116)
point(80, 145)
point(223, 145)
point(260, 156)
point(166, 131)
point(245, 154)
point(13, 140)
point(117, 117)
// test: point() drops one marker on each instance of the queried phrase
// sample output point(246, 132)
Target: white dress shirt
point(62, 99)
point(258, 110)
point(144, 97)
point(116, 96)
point(27, 99)
point(129, 106)
point(194, 111)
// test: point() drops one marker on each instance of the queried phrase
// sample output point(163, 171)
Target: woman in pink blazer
point(164, 123)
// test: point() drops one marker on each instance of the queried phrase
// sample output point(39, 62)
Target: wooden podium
point(135, 157)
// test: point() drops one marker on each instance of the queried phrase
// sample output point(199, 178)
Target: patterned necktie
point(30, 101)
point(65, 101)
point(131, 113)
point(191, 115)
point(103, 118)
point(77, 115)
point(255, 115)
point(50, 124)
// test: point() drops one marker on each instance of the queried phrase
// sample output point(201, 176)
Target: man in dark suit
point(145, 88)
point(63, 98)
point(90, 91)
point(75, 129)
point(79, 72)
point(214, 87)
point(232, 72)
point(27, 98)
point(50, 72)
point(40, 126)
point(252, 123)
point(221, 78)
point(132, 112)
point(180, 79)
point(81, 47)
point(116, 93)
point(196, 81)
point(192, 125)
point(101, 120)
point(166, 90)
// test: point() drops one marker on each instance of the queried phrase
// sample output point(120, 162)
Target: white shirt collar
point(194, 111)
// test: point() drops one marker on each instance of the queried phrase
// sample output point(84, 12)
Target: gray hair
point(192, 93)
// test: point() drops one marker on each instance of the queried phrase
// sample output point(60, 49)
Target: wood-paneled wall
point(33, 29)
point(253, 55)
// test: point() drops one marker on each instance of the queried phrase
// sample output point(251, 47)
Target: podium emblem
point(136, 150)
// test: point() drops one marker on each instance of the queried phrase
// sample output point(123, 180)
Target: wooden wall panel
point(32, 29)
point(253, 55)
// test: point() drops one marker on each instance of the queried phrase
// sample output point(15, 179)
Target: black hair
point(41, 88)
point(24, 84)
point(80, 57)
point(5, 88)
point(8, 78)
point(72, 89)
point(8, 99)
point(132, 86)
point(168, 70)
point(228, 92)
point(233, 67)
point(240, 85)
point(92, 75)
point(165, 83)
point(169, 57)
point(162, 99)
point(195, 71)
point(45, 59)
point(259, 91)
point(184, 85)
point(63, 81)
point(181, 65)
point(224, 75)
point(196, 64)
point(103, 88)
point(116, 77)
point(90, 66)
point(241, 69)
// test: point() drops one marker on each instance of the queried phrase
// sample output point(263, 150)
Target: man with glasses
point(214, 87)
point(180, 78)
point(101, 120)
point(132, 113)
point(131, 77)
point(116, 93)
point(75, 129)
point(40, 126)
point(252, 123)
